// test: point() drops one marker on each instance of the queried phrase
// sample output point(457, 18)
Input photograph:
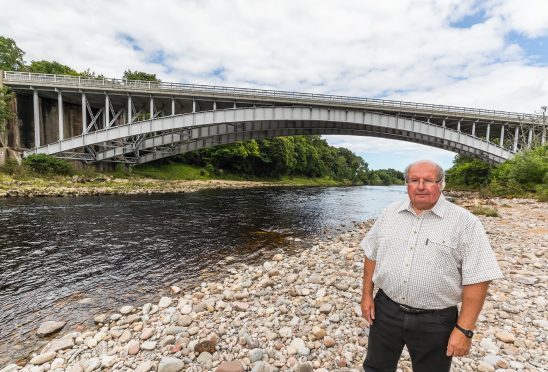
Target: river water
point(71, 258)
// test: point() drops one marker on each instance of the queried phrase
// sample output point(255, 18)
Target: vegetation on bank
point(525, 175)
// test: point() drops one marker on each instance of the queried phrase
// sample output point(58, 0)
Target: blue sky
point(489, 54)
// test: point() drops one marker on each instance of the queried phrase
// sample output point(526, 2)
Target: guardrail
point(90, 82)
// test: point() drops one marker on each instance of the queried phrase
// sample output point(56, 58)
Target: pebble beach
point(301, 313)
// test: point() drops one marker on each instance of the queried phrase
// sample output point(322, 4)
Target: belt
point(412, 310)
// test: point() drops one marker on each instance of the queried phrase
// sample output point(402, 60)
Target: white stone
point(43, 358)
point(144, 366)
point(61, 344)
point(285, 332)
point(124, 310)
point(164, 302)
point(300, 346)
point(10, 368)
point(148, 345)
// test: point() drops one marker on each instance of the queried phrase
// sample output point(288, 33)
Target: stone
point(285, 332)
point(49, 327)
point(207, 345)
point(174, 289)
point(325, 308)
point(125, 310)
point(505, 336)
point(278, 257)
point(12, 368)
point(255, 355)
point(204, 357)
point(186, 309)
point(125, 337)
point(304, 367)
point(488, 345)
point(43, 358)
point(185, 320)
point(144, 366)
point(319, 333)
point(299, 345)
point(133, 347)
point(164, 302)
point(147, 333)
point(234, 366)
point(527, 280)
point(174, 330)
point(241, 306)
point(170, 364)
point(90, 364)
point(328, 341)
point(61, 344)
point(148, 345)
point(485, 367)
point(100, 318)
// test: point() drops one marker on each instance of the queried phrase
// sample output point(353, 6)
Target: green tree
point(5, 112)
point(51, 67)
point(11, 57)
point(140, 75)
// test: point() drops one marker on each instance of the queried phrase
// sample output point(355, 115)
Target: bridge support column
point(193, 105)
point(530, 139)
point(151, 107)
point(474, 128)
point(501, 143)
point(543, 137)
point(172, 106)
point(129, 110)
point(488, 132)
point(107, 112)
point(458, 126)
point(214, 105)
point(36, 107)
point(516, 137)
point(84, 114)
point(61, 115)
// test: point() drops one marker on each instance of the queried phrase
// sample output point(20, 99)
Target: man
point(425, 255)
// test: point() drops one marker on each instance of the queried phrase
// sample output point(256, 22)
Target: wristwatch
point(468, 333)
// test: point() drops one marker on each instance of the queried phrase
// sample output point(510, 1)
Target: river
point(71, 258)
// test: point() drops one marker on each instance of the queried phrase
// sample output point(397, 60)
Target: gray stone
point(164, 302)
point(125, 310)
point(204, 357)
point(325, 308)
point(185, 320)
point(90, 364)
point(170, 364)
point(144, 366)
point(174, 330)
point(61, 344)
point(49, 327)
point(255, 355)
point(10, 368)
point(148, 345)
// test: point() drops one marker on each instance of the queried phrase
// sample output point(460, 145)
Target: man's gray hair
point(441, 173)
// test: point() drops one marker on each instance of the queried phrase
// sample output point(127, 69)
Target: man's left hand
point(458, 345)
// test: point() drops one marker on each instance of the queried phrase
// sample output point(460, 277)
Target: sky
point(490, 54)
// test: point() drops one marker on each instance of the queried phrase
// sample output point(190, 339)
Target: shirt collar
point(438, 209)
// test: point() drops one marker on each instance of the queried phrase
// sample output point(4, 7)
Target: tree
point(140, 75)
point(51, 67)
point(11, 57)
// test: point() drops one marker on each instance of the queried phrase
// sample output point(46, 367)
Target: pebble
point(43, 358)
point(49, 327)
point(300, 312)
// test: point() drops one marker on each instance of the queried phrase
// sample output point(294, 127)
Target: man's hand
point(368, 308)
point(459, 344)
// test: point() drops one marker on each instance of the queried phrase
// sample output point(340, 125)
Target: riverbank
point(301, 312)
point(109, 185)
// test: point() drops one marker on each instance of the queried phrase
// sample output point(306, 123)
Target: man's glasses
point(425, 182)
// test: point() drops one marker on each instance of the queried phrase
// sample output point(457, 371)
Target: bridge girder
point(260, 122)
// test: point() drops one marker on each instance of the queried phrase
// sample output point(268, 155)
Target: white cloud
point(404, 49)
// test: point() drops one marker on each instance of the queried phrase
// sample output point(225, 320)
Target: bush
point(10, 167)
point(48, 165)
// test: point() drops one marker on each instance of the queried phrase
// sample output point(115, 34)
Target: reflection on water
point(70, 258)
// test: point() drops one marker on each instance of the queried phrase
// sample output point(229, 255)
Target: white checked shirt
point(423, 261)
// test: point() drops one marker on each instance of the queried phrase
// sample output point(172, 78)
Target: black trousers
point(426, 336)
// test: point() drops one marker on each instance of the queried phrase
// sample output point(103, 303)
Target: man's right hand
point(368, 308)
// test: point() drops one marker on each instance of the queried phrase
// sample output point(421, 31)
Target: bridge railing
point(122, 84)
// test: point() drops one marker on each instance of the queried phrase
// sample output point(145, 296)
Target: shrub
point(486, 211)
point(48, 165)
point(10, 167)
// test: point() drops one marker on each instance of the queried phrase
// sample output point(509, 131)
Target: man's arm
point(367, 303)
point(473, 296)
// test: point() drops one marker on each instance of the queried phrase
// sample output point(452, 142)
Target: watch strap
point(468, 333)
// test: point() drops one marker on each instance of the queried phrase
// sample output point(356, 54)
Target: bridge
point(134, 122)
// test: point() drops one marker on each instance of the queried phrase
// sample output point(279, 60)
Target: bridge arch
point(166, 136)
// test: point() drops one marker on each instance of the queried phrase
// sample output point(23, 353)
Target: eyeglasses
point(426, 183)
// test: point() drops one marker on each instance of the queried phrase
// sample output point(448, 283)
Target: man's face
point(422, 186)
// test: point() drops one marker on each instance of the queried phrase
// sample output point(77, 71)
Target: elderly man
point(425, 255)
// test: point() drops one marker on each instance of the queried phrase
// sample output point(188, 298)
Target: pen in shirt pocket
point(426, 241)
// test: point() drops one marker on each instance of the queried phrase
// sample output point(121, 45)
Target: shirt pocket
point(442, 255)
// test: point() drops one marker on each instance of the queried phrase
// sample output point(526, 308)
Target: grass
point(485, 210)
point(171, 171)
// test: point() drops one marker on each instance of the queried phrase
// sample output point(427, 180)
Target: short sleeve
point(370, 242)
point(479, 263)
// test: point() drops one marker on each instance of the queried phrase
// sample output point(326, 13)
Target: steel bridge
point(136, 122)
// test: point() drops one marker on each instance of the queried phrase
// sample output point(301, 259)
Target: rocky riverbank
point(302, 313)
point(106, 185)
